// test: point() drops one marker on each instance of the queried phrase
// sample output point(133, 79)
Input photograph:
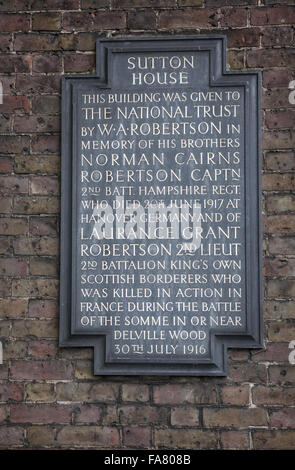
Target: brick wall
point(48, 395)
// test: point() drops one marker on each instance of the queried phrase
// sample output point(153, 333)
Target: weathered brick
point(84, 370)
point(36, 205)
point(15, 349)
point(190, 3)
point(46, 144)
point(87, 392)
point(185, 416)
point(10, 63)
point(275, 182)
point(41, 349)
point(10, 144)
point(275, 98)
point(280, 203)
point(49, 4)
point(265, 16)
point(235, 59)
point(40, 392)
point(39, 124)
point(6, 165)
point(284, 418)
point(35, 288)
point(5, 246)
point(235, 395)
point(190, 393)
point(47, 63)
point(5, 42)
point(41, 370)
point(281, 36)
point(137, 437)
point(145, 19)
point(43, 267)
point(13, 308)
point(42, 308)
point(37, 328)
point(47, 164)
point(74, 62)
point(187, 19)
point(89, 436)
point(13, 267)
point(38, 414)
point(279, 266)
point(277, 119)
point(36, 246)
point(277, 78)
point(100, 20)
point(89, 4)
point(143, 3)
point(245, 37)
point(282, 375)
point(273, 395)
point(282, 330)
point(46, 104)
point(14, 22)
point(46, 21)
point(254, 373)
point(274, 352)
point(235, 440)
point(135, 392)
point(268, 57)
point(90, 414)
point(44, 42)
point(281, 224)
point(185, 439)
point(277, 309)
point(143, 415)
point(234, 417)
point(16, 226)
point(280, 161)
point(11, 436)
point(13, 185)
point(15, 105)
point(11, 392)
point(3, 413)
point(233, 17)
point(33, 84)
point(39, 436)
point(44, 185)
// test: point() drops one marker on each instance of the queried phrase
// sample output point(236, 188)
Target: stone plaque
point(160, 232)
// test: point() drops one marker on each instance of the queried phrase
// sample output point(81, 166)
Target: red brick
point(39, 414)
point(281, 36)
point(40, 226)
point(38, 83)
point(246, 37)
point(235, 440)
point(42, 308)
point(190, 393)
point(277, 78)
point(254, 373)
point(269, 57)
point(6, 165)
point(41, 349)
point(5, 42)
point(79, 62)
point(274, 440)
point(88, 4)
point(275, 140)
point(89, 414)
point(14, 144)
point(137, 437)
point(273, 396)
point(13, 267)
point(280, 161)
point(47, 63)
point(49, 4)
point(89, 436)
point(10, 226)
point(235, 395)
point(11, 436)
point(10, 63)
point(280, 119)
point(187, 19)
point(276, 182)
point(36, 124)
point(100, 20)
point(13, 185)
point(275, 98)
point(44, 185)
point(15, 105)
point(14, 22)
point(41, 370)
point(46, 144)
point(188, 438)
point(233, 17)
point(265, 16)
point(185, 416)
point(284, 418)
point(11, 392)
point(282, 375)
point(143, 3)
point(145, 19)
point(274, 352)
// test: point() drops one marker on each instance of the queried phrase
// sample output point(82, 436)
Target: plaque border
point(220, 341)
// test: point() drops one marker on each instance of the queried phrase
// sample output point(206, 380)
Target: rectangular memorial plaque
point(160, 239)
